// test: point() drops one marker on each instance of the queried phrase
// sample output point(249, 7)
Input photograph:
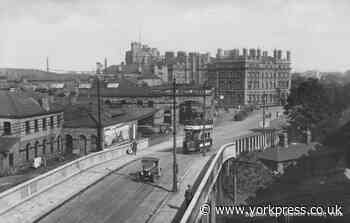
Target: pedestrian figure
point(188, 195)
point(134, 147)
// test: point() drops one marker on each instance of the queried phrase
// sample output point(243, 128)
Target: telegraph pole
point(175, 167)
point(99, 125)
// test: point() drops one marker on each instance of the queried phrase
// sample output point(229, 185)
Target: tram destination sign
point(197, 127)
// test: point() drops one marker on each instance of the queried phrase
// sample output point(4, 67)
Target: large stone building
point(141, 54)
point(28, 129)
point(251, 77)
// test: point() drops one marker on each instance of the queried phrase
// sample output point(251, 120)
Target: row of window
point(44, 124)
point(43, 146)
point(267, 75)
point(7, 126)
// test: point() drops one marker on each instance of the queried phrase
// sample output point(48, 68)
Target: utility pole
point(99, 124)
point(175, 167)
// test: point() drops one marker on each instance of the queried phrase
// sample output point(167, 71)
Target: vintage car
point(150, 169)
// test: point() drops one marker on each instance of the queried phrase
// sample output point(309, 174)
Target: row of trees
point(316, 106)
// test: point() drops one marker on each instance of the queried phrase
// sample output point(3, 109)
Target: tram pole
point(175, 167)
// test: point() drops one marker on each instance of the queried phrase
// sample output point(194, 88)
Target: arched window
point(51, 144)
point(93, 143)
point(36, 145)
point(44, 146)
point(27, 151)
point(59, 143)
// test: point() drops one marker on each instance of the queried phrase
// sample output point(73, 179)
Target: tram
point(198, 135)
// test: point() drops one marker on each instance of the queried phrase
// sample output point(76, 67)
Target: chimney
point(288, 55)
point(279, 54)
point(258, 52)
point(265, 54)
point(244, 52)
point(275, 54)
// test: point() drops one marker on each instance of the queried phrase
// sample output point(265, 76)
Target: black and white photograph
point(174, 111)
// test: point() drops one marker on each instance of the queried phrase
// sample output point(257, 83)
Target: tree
point(314, 106)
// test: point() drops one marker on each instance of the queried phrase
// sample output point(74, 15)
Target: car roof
point(149, 158)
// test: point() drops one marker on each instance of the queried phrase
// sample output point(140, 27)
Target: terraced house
point(29, 128)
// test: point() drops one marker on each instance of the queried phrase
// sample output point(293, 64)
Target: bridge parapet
point(245, 143)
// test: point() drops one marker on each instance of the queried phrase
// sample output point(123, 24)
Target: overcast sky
point(76, 33)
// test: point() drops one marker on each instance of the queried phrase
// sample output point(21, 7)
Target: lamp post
point(175, 167)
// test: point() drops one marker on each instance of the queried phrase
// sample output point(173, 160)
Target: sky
point(75, 34)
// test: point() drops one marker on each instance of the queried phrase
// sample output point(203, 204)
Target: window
point(36, 126)
point(139, 102)
point(44, 146)
point(36, 145)
point(58, 120)
point(51, 144)
point(7, 128)
point(27, 127)
point(11, 159)
point(27, 151)
point(44, 124)
point(150, 104)
point(51, 122)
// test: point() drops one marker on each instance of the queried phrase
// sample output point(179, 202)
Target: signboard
point(116, 134)
point(85, 85)
point(57, 85)
point(197, 127)
point(112, 85)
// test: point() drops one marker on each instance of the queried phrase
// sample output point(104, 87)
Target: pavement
point(119, 197)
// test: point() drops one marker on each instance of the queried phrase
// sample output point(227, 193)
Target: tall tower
point(47, 65)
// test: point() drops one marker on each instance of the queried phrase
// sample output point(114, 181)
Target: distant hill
point(33, 74)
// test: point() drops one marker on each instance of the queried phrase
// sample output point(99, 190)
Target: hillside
point(33, 74)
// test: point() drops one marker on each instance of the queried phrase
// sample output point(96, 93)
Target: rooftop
point(20, 105)
point(86, 115)
point(292, 152)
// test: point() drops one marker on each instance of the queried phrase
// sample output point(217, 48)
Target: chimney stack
point(275, 54)
point(244, 52)
point(265, 54)
point(279, 54)
point(258, 52)
point(288, 55)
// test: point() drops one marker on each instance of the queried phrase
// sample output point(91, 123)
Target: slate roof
point(125, 88)
point(292, 152)
point(86, 116)
point(6, 143)
point(20, 105)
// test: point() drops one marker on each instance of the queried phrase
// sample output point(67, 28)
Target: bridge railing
point(200, 197)
point(227, 151)
point(15, 196)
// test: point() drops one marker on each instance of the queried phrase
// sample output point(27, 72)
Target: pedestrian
point(188, 195)
point(134, 147)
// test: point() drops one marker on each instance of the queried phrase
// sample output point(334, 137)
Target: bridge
point(210, 188)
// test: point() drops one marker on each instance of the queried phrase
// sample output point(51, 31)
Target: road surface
point(120, 198)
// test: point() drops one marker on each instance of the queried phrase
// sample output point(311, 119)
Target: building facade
point(251, 77)
point(141, 54)
point(34, 130)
